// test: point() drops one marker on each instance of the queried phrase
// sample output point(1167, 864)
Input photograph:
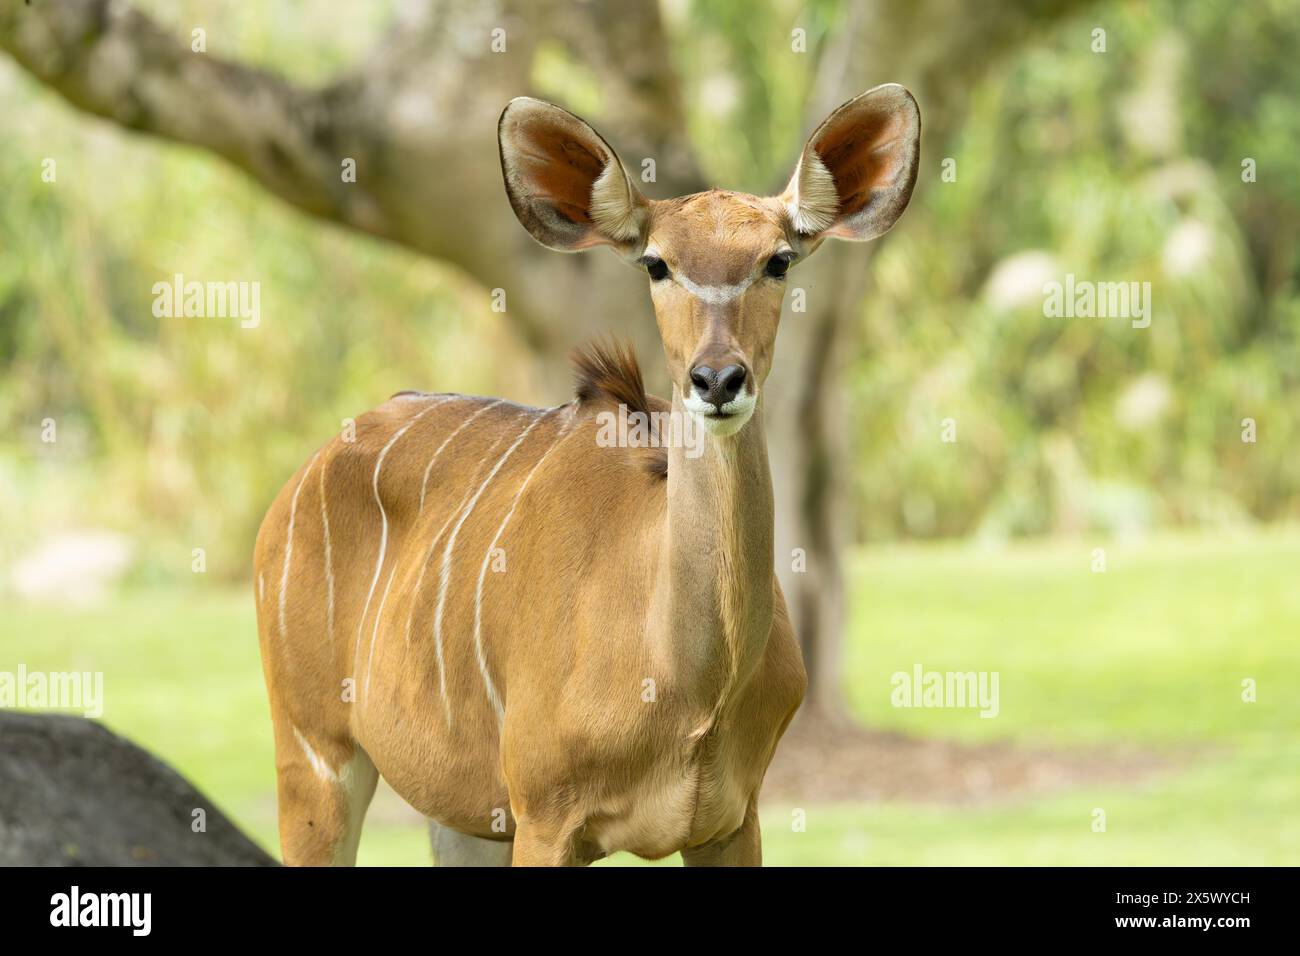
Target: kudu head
point(717, 260)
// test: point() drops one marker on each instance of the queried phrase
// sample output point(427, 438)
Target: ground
point(1120, 693)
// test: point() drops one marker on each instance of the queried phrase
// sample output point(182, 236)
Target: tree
point(427, 100)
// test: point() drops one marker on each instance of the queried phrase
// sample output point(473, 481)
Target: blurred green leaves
point(180, 430)
point(1123, 166)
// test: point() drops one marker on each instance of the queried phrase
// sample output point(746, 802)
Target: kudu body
point(554, 648)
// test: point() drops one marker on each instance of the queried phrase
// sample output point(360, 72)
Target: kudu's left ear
point(857, 171)
point(566, 184)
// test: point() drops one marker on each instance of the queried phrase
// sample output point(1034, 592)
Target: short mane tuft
point(609, 371)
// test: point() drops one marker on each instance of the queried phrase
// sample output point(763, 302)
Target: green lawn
point(1150, 654)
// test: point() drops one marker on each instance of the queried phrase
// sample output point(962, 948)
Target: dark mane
point(607, 372)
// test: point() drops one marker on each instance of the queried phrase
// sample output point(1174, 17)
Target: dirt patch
point(823, 761)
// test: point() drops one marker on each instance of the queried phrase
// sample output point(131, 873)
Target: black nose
point(718, 388)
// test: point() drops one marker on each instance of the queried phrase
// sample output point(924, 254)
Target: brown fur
point(530, 639)
point(609, 371)
point(607, 374)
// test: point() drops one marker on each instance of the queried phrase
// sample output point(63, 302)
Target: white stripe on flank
point(321, 768)
point(444, 577)
point(433, 543)
point(383, 532)
point(493, 696)
point(429, 467)
point(424, 565)
point(329, 560)
point(374, 634)
point(288, 544)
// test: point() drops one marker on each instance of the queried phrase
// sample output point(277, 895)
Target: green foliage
point(746, 87)
point(1116, 166)
point(181, 430)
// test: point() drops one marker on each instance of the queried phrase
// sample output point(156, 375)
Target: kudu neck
point(719, 554)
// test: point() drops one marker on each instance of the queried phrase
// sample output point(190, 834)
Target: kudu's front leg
point(321, 808)
point(742, 848)
point(544, 843)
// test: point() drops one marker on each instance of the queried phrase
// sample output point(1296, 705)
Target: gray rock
point(72, 793)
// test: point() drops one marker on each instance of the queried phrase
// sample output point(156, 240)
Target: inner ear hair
point(614, 209)
point(816, 202)
point(856, 173)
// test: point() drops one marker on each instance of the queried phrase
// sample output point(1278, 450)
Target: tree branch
point(418, 117)
point(110, 60)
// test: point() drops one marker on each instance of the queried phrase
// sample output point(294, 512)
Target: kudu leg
point(742, 848)
point(543, 845)
point(453, 848)
point(321, 809)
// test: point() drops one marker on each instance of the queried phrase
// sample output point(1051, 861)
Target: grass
point(1149, 654)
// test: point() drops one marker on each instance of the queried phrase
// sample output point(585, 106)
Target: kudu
point(553, 648)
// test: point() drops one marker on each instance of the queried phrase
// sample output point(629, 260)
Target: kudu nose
point(718, 388)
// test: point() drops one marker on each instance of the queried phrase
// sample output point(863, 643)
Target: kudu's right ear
point(566, 184)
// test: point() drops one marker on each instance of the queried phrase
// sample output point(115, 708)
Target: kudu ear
point(566, 184)
point(857, 171)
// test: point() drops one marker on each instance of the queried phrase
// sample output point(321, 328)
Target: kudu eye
point(657, 268)
point(778, 264)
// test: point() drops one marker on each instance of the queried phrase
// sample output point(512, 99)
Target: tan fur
point(531, 637)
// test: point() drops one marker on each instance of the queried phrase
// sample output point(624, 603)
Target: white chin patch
point(724, 421)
